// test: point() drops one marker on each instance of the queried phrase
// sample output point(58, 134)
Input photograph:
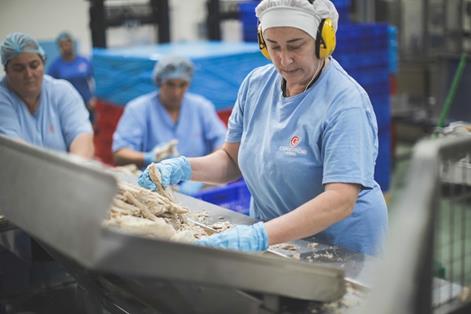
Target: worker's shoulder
point(57, 86)
point(343, 82)
point(80, 58)
point(142, 101)
point(198, 101)
point(3, 87)
point(263, 72)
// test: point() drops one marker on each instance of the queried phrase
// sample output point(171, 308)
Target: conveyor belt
point(66, 216)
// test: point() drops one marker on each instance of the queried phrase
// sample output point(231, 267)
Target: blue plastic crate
point(393, 50)
point(249, 20)
point(341, 3)
point(234, 196)
point(383, 161)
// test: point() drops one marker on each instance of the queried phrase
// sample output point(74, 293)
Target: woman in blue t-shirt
point(37, 108)
point(74, 68)
point(303, 134)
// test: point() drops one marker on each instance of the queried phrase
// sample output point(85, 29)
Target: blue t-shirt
point(145, 124)
point(77, 71)
point(59, 118)
point(290, 147)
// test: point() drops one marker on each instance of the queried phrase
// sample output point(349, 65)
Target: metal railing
point(427, 265)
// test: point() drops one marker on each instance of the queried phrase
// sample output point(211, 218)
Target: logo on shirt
point(82, 67)
point(293, 148)
point(294, 141)
point(50, 128)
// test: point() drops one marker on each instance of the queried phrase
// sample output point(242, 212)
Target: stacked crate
point(368, 52)
point(363, 51)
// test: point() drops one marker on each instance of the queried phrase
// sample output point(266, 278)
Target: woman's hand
point(241, 237)
point(172, 171)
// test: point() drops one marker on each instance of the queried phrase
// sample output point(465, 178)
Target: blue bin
point(383, 162)
point(234, 196)
point(249, 20)
point(342, 3)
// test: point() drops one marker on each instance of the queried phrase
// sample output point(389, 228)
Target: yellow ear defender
point(261, 43)
point(325, 40)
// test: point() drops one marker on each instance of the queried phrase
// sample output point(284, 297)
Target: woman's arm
point(126, 156)
point(218, 167)
point(316, 215)
point(82, 145)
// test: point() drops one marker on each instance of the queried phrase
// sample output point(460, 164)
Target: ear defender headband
point(324, 43)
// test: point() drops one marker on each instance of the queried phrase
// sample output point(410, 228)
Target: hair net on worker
point(63, 36)
point(300, 14)
point(171, 68)
point(16, 43)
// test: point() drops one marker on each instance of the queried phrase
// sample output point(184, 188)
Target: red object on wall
point(224, 115)
point(393, 84)
point(107, 116)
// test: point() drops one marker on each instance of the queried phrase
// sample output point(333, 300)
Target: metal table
point(61, 201)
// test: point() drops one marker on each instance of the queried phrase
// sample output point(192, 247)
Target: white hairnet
point(64, 36)
point(171, 68)
point(16, 43)
point(296, 13)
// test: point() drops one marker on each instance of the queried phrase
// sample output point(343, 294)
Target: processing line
point(62, 201)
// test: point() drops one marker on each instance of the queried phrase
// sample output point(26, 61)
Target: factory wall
point(45, 19)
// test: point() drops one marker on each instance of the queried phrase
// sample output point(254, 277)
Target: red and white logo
point(295, 141)
point(294, 149)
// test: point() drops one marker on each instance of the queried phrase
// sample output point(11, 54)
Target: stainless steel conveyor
point(62, 201)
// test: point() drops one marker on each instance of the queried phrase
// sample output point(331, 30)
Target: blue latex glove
point(190, 187)
point(241, 238)
point(161, 152)
point(172, 171)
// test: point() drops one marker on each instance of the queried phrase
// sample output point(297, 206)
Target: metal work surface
point(62, 202)
point(54, 197)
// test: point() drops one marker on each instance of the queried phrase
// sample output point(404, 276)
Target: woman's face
point(293, 53)
point(66, 47)
point(172, 92)
point(25, 74)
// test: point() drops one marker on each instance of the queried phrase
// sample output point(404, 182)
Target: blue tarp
point(122, 74)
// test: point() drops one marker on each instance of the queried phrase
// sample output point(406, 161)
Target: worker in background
point(36, 108)
point(46, 112)
point(303, 134)
point(74, 68)
point(169, 121)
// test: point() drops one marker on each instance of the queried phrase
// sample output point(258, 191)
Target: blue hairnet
point(63, 36)
point(16, 43)
point(171, 68)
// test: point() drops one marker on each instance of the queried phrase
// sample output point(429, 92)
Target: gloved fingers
point(175, 170)
point(190, 187)
point(221, 240)
point(145, 181)
point(242, 238)
point(165, 174)
point(165, 150)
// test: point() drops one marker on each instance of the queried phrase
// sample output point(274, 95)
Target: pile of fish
point(152, 214)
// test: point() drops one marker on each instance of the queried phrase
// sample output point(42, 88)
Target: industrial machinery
point(62, 202)
point(427, 267)
point(103, 16)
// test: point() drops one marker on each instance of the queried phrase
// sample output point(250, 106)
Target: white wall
point(45, 19)
point(411, 26)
